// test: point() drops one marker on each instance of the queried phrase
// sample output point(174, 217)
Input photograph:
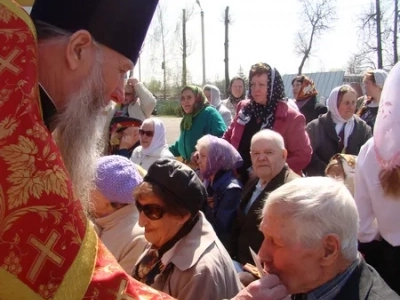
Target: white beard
point(79, 133)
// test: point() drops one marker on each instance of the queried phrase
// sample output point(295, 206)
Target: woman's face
point(158, 232)
point(146, 133)
point(296, 88)
point(259, 88)
point(187, 101)
point(208, 95)
point(371, 89)
point(202, 159)
point(347, 105)
point(237, 88)
point(101, 205)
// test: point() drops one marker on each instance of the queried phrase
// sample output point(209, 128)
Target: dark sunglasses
point(152, 211)
point(149, 133)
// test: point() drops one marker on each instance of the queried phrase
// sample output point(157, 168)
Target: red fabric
point(43, 229)
point(290, 124)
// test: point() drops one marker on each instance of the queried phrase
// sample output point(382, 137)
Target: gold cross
point(121, 294)
point(6, 63)
point(45, 253)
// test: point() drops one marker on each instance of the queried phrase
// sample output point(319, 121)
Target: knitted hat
point(116, 178)
point(380, 77)
point(180, 181)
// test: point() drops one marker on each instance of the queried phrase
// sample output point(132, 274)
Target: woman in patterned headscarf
point(199, 118)
point(377, 193)
point(217, 161)
point(305, 93)
point(267, 108)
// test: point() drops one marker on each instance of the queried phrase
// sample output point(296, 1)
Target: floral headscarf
point(264, 113)
point(307, 89)
point(221, 156)
point(201, 102)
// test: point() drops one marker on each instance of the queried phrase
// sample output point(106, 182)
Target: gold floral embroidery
point(12, 263)
point(76, 238)
point(47, 291)
point(4, 95)
point(26, 179)
point(8, 126)
point(6, 14)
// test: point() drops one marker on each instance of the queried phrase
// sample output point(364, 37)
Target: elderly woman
point(338, 131)
point(377, 194)
point(305, 93)
point(115, 212)
point(217, 161)
point(267, 108)
point(153, 143)
point(186, 259)
point(373, 84)
point(199, 118)
point(237, 93)
point(214, 97)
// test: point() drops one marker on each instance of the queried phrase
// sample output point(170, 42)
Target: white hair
point(203, 142)
point(319, 206)
point(269, 135)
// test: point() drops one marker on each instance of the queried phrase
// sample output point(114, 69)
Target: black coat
point(325, 142)
point(245, 230)
point(366, 284)
point(313, 109)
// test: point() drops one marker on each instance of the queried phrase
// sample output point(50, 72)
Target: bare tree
point(227, 22)
point(318, 16)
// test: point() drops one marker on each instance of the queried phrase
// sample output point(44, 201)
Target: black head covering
point(180, 181)
point(118, 24)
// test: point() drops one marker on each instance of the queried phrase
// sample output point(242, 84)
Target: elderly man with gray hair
point(309, 250)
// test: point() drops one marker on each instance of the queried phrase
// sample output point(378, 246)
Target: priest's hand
point(268, 287)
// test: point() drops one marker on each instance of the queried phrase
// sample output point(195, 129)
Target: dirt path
point(172, 127)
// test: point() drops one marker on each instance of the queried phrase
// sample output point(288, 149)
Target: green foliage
point(169, 108)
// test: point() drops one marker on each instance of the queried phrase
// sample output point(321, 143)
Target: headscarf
point(307, 90)
point(159, 138)
point(387, 125)
point(332, 104)
point(201, 102)
point(380, 77)
point(232, 98)
point(264, 113)
point(221, 156)
point(215, 95)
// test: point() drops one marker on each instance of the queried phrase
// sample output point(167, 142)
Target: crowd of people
point(261, 197)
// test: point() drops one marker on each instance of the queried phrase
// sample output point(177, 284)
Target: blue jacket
point(226, 192)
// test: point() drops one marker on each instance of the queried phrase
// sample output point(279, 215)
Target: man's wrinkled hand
point(267, 288)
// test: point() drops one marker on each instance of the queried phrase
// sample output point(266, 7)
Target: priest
point(58, 70)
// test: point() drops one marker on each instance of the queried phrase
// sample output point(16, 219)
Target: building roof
point(325, 82)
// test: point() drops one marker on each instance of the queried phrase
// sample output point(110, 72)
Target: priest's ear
point(79, 51)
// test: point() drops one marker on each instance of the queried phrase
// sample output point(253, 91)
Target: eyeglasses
point(149, 133)
point(152, 211)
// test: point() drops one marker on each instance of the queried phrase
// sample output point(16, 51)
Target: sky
point(261, 31)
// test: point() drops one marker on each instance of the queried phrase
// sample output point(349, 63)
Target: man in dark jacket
point(268, 156)
point(309, 250)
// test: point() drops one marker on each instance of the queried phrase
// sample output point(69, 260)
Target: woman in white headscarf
point(377, 192)
point(214, 97)
point(337, 131)
point(153, 143)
